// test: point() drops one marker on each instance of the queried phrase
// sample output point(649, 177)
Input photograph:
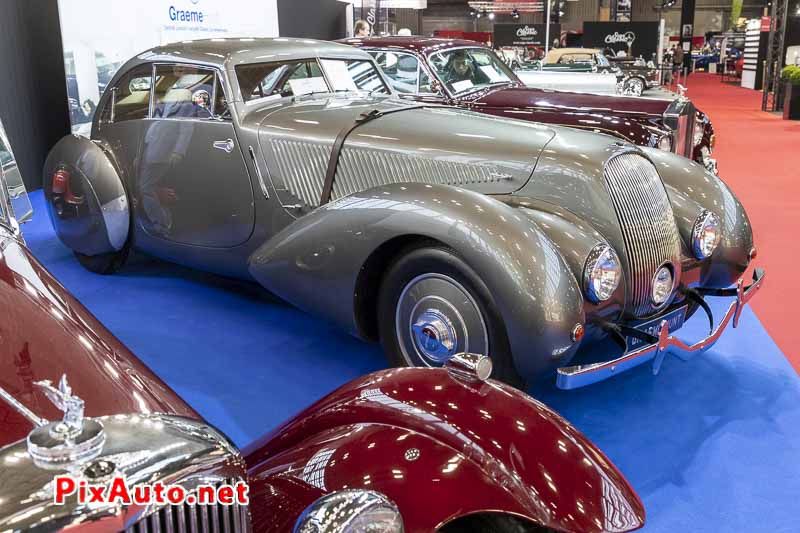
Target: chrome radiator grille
point(195, 519)
point(680, 117)
point(647, 224)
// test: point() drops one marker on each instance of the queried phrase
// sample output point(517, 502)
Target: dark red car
point(403, 449)
point(470, 75)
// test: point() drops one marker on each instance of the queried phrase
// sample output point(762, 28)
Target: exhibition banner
point(634, 38)
point(100, 35)
point(524, 34)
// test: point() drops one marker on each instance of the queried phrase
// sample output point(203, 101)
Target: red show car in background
point(398, 450)
point(470, 75)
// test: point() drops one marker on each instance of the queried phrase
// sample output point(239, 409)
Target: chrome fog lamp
point(602, 273)
point(699, 131)
point(705, 234)
point(665, 143)
point(662, 285)
point(351, 511)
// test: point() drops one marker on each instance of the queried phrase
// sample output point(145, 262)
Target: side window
point(401, 69)
point(425, 83)
point(292, 78)
point(220, 103)
point(130, 98)
point(183, 91)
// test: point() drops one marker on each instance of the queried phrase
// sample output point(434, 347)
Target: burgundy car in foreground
point(470, 75)
point(399, 450)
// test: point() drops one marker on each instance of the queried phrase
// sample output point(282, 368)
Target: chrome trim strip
point(260, 177)
point(573, 377)
point(21, 409)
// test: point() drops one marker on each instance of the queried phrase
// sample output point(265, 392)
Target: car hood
point(403, 142)
point(45, 333)
point(524, 97)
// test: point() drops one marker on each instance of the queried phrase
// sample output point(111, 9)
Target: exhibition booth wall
point(34, 102)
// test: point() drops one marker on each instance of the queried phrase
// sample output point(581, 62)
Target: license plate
point(674, 322)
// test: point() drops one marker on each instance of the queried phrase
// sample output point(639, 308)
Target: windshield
point(308, 76)
point(602, 61)
point(12, 188)
point(465, 69)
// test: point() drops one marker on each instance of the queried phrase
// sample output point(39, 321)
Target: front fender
point(691, 189)
point(442, 448)
point(315, 262)
point(85, 197)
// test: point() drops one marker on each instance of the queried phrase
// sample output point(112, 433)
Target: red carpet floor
point(758, 158)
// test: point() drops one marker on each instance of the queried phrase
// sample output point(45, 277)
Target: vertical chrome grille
point(647, 224)
point(680, 117)
point(195, 519)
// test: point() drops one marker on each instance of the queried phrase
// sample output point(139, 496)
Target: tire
point(635, 86)
point(104, 264)
point(493, 523)
point(431, 304)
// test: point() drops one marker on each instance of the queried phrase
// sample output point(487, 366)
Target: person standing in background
point(361, 28)
point(677, 60)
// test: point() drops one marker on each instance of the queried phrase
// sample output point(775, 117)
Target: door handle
point(225, 146)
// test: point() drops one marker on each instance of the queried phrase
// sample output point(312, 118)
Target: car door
point(191, 183)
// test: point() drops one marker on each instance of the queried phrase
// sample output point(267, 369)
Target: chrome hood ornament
point(69, 442)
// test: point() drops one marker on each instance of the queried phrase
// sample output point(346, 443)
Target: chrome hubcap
point(436, 318)
point(434, 335)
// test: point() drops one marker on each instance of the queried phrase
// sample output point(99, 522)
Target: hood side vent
point(361, 169)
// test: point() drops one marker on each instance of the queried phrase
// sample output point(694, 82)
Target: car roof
point(574, 50)
point(228, 52)
point(423, 45)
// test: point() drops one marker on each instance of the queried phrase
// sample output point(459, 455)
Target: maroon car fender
point(422, 435)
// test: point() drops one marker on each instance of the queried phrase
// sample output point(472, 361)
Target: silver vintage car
point(434, 230)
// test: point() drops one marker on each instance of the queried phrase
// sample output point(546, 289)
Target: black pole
point(687, 30)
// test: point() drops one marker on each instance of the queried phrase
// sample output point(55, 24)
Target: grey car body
point(436, 229)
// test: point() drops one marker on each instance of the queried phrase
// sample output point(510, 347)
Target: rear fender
point(442, 448)
point(315, 262)
point(85, 197)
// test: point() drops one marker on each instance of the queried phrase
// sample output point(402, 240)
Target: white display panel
point(100, 35)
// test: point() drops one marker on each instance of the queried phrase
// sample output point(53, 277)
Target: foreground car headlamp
point(351, 511)
point(602, 273)
point(662, 285)
point(665, 143)
point(705, 234)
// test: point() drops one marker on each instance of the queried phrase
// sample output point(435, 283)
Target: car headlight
point(351, 511)
point(699, 131)
point(665, 143)
point(706, 234)
point(602, 273)
point(662, 285)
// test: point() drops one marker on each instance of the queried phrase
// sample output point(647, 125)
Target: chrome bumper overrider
point(573, 377)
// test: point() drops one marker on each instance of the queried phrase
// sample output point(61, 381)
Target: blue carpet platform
point(712, 444)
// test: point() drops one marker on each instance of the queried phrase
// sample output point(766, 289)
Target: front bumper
point(573, 377)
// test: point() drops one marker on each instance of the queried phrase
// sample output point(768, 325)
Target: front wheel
point(432, 305)
point(634, 86)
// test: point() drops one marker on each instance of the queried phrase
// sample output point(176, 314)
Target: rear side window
point(183, 91)
point(290, 78)
point(130, 97)
point(401, 69)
